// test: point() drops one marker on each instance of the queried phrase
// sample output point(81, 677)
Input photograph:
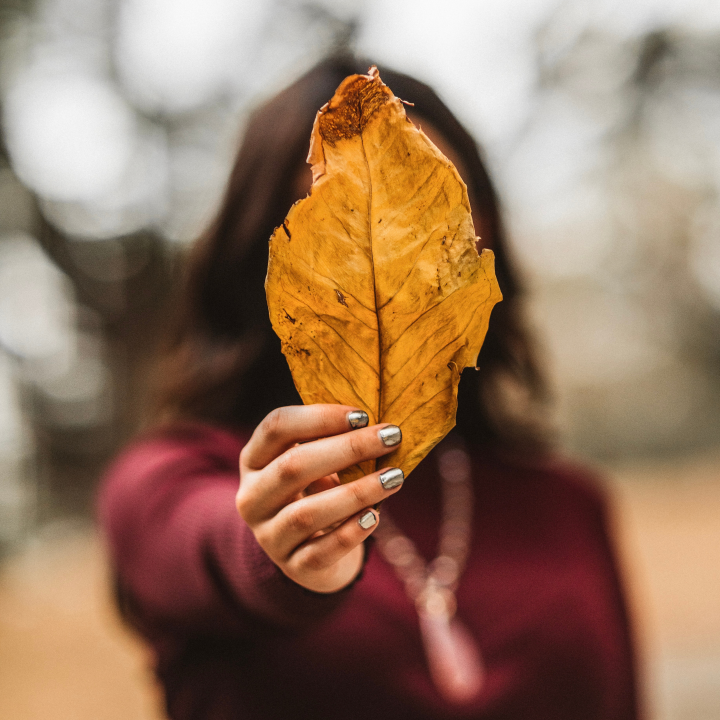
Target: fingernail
point(392, 478)
point(367, 520)
point(390, 435)
point(357, 419)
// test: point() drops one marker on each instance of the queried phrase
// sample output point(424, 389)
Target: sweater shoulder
point(168, 458)
point(554, 487)
point(152, 451)
point(577, 480)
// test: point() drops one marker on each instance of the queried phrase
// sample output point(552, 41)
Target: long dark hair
point(223, 363)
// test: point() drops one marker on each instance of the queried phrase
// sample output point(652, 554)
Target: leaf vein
point(342, 224)
point(407, 277)
point(419, 372)
point(415, 409)
point(324, 322)
point(422, 314)
point(335, 284)
point(416, 193)
point(339, 372)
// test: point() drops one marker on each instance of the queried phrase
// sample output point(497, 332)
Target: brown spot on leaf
point(287, 315)
point(340, 298)
point(355, 102)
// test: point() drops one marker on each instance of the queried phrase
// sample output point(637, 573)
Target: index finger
point(286, 426)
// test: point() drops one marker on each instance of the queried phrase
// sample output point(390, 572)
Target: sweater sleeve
point(181, 553)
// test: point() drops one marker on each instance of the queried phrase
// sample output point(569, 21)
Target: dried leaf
point(374, 283)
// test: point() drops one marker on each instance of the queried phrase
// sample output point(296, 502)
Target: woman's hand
point(310, 525)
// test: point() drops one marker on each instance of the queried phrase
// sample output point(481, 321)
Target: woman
point(269, 602)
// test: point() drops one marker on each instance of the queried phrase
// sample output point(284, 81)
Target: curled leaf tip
point(357, 99)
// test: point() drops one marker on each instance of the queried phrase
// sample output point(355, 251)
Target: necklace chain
point(453, 657)
point(433, 584)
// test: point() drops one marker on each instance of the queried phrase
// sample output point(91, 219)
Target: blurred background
point(601, 123)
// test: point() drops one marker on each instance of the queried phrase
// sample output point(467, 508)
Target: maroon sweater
point(235, 639)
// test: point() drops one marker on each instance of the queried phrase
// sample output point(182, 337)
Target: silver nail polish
point(367, 520)
point(392, 478)
point(390, 435)
point(357, 419)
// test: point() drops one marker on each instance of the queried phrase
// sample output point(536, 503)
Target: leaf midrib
point(375, 295)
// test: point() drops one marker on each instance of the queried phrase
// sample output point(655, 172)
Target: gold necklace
point(452, 654)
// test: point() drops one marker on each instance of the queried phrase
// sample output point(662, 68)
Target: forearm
point(185, 557)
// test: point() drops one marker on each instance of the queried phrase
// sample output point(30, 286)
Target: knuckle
point(288, 466)
point(243, 504)
point(272, 424)
point(355, 445)
point(246, 463)
point(300, 518)
point(361, 494)
point(327, 417)
point(267, 538)
point(344, 541)
point(313, 561)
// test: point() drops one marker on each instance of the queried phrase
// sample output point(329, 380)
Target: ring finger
point(324, 551)
point(300, 520)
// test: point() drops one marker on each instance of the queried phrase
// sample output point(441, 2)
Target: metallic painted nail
point(367, 520)
point(357, 419)
point(390, 435)
point(392, 478)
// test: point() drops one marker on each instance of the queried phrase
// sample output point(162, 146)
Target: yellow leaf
point(374, 283)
